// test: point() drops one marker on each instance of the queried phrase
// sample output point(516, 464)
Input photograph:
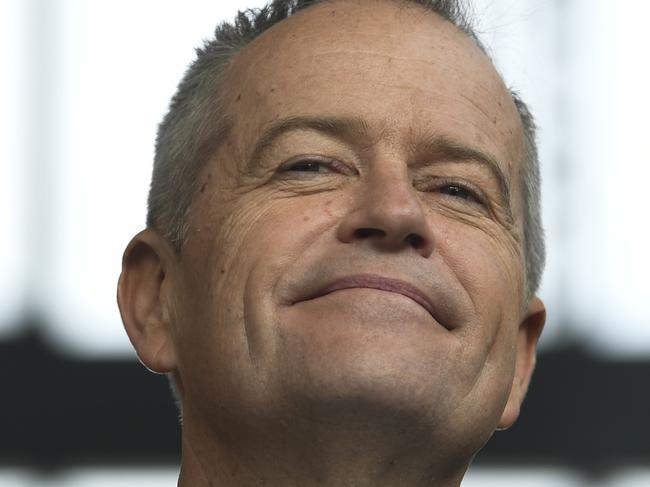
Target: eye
point(458, 191)
point(307, 166)
point(312, 165)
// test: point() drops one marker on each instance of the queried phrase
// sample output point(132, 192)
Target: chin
point(350, 368)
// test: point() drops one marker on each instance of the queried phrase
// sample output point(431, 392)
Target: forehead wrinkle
point(352, 130)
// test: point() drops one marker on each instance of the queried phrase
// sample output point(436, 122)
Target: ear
point(529, 331)
point(143, 295)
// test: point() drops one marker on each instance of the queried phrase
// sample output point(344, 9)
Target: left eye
point(458, 191)
point(307, 166)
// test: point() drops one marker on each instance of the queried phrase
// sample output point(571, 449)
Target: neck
point(326, 455)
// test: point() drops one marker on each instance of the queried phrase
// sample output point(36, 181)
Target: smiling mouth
point(370, 281)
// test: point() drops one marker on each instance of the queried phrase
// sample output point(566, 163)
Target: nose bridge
point(388, 189)
point(388, 212)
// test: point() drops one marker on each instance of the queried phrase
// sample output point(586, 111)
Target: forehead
point(402, 69)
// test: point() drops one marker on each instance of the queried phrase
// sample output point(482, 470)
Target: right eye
point(307, 166)
point(313, 165)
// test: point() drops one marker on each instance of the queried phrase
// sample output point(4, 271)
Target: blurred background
point(84, 84)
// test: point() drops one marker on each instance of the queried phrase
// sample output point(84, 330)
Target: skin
point(282, 384)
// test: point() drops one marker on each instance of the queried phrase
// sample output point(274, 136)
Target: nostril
point(415, 240)
point(369, 232)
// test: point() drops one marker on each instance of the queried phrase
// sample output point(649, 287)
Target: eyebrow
point(438, 147)
point(348, 129)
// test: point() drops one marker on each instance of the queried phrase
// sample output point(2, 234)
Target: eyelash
point(332, 165)
point(474, 196)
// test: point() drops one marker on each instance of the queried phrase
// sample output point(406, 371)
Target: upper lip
point(373, 281)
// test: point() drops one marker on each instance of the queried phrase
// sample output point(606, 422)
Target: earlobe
point(143, 302)
point(529, 331)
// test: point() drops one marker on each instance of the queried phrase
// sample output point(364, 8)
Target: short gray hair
point(195, 125)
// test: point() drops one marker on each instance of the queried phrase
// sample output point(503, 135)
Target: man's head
point(340, 249)
point(197, 123)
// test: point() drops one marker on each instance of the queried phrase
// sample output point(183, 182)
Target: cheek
point(486, 256)
point(239, 252)
point(274, 230)
point(490, 270)
point(491, 274)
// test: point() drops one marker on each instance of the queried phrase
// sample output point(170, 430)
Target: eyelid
point(477, 193)
point(330, 162)
point(473, 190)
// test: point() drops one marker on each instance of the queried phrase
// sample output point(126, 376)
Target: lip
point(372, 281)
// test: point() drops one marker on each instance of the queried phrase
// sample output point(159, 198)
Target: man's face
point(358, 238)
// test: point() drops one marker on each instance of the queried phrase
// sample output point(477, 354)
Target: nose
point(388, 214)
